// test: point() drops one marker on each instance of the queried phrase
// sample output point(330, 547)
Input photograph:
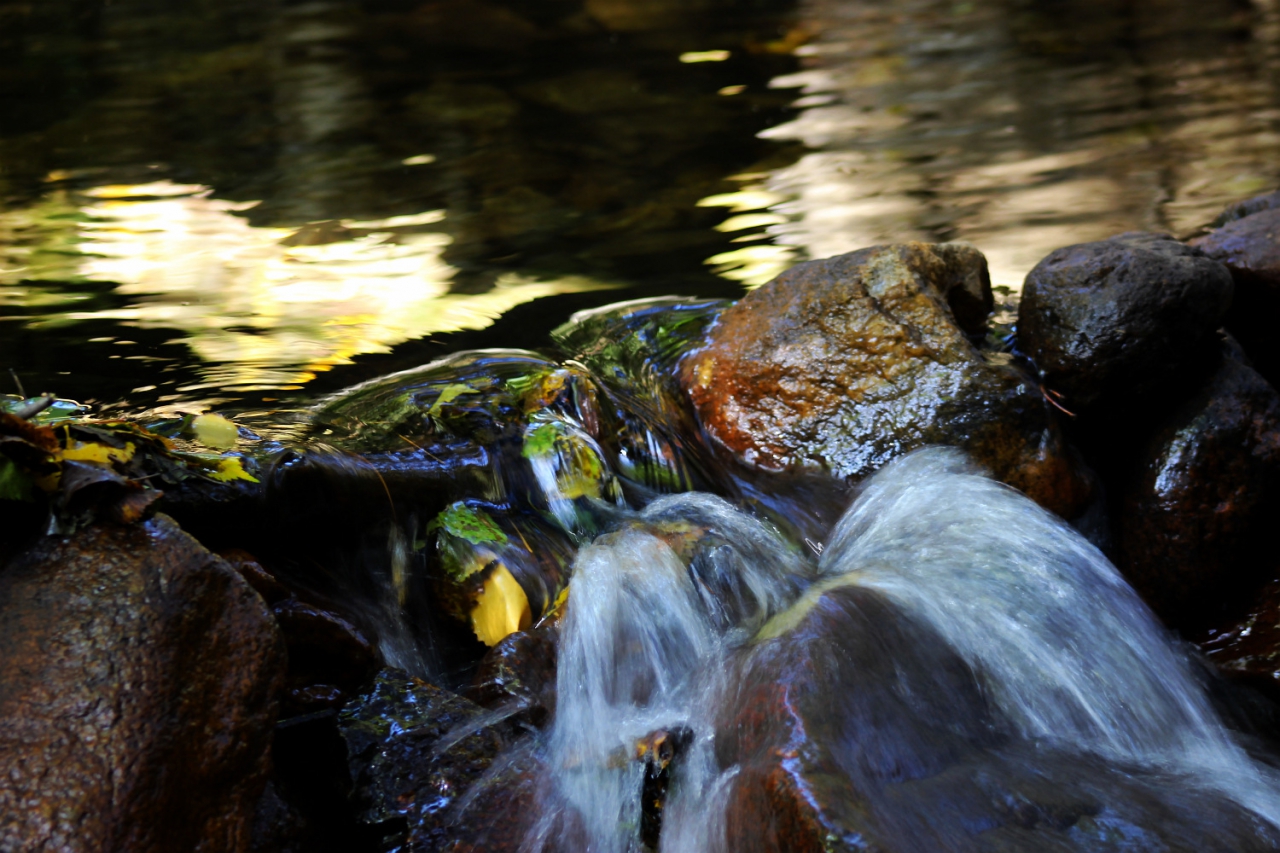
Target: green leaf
point(542, 441)
point(448, 395)
point(473, 525)
point(15, 484)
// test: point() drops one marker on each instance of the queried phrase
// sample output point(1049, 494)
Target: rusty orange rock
point(846, 363)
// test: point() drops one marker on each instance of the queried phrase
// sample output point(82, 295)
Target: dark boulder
point(330, 660)
point(519, 674)
point(1195, 526)
point(1121, 318)
point(1249, 246)
point(414, 752)
point(859, 729)
point(847, 363)
point(1246, 648)
point(137, 694)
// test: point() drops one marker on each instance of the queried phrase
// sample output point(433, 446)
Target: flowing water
point(664, 609)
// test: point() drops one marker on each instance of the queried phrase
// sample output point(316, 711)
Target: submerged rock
point(1196, 528)
point(847, 363)
point(414, 751)
point(1247, 648)
point(861, 729)
point(632, 349)
point(1248, 244)
point(1121, 317)
point(498, 572)
point(137, 694)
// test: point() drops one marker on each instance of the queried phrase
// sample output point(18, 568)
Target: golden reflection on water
point(1005, 127)
point(266, 308)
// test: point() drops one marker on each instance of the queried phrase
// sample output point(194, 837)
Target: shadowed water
point(1024, 650)
point(250, 204)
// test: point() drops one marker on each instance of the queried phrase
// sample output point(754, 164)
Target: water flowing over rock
point(137, 694)
point(961, 671)
point(1197, 525)
point(1248, 244)
point(849, 362)
point(1118, 318)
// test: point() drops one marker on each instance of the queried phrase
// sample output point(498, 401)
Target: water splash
point(1067, 655)
point(657, 606)
point(1062, 643)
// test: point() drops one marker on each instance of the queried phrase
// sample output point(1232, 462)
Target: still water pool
point(244, 205)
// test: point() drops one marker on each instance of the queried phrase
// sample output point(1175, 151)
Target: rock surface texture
point(849, 362)
point(1249, 246)
point(860, 729)
point(414, 750)
point(137, 694)
point(1198, 524)
point(1121, 317)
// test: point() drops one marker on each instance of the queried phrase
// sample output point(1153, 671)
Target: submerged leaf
point(541, 441)
point(231, 468)
point(215, 431)
point(473, 525)
point(89, 451)
point(447, 395)
point(15, 485)
point(502, 609)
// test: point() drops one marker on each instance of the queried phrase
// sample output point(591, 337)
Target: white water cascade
point(662, 609)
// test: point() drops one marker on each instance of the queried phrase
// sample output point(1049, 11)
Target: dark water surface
point(245, 205)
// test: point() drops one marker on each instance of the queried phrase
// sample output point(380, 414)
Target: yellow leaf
point(88, 451)
point(215, 431)
point(230, 469)
point(502, 609)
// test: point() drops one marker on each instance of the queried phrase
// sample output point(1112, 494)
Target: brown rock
point(1250, 248)
point(859, 729)
point(1195, 527)
point(520, 672)
point(137, 694)
point(1247, 648)
point(414, 752)
point(329, 658)
point(847, 363)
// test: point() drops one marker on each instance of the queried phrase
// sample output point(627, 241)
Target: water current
point(673, 615)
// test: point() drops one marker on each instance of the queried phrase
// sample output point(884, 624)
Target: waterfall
point(664, 609)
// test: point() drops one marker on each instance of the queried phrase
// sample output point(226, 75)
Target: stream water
point(245, 205)
point(1067, 660)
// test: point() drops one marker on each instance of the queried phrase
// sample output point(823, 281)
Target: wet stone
point(1197, 526)
point(414, 750)
point(632, 348)
point(520, 673)
point(137, 694)
point(1247, 648)
point(1249, 246)
point(847, 363)
point(329, 658)
point(1120, 318)
point(859, 729)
